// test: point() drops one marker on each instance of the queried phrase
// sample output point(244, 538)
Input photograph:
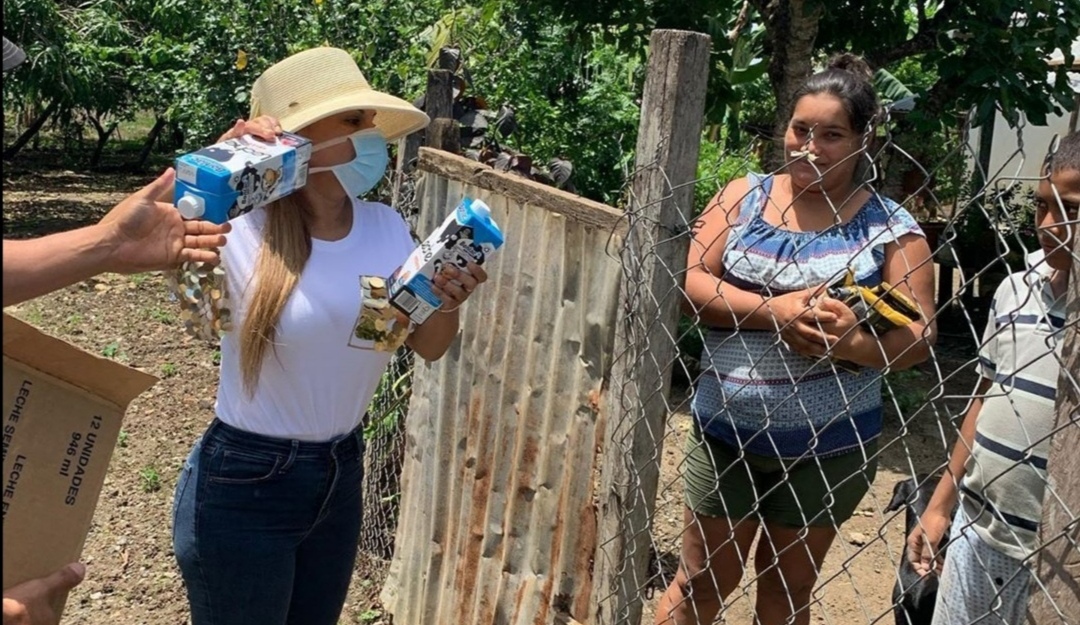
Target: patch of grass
point(139, 278)
point(149, 479)
point(137, 128)
point(34, 316)
point(168, 370)
point(216, 358)
point(112, 350)
point(369, 615)
point(904, 388)
point(74, 321)
point(122, 439)
point(161, 316)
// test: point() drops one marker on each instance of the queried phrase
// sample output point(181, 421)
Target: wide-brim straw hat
point(320, 82)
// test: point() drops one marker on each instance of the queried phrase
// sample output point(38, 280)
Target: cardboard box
point(62, 412)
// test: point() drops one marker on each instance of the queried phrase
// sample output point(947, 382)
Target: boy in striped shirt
point(997, 469)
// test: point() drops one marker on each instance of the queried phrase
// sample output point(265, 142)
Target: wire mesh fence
point(788, 476)
point(384, 426)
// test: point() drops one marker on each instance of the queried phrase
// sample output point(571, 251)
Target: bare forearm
point(432, 338)
point(902, 348)
point(39, 266)
point(945, 495)
point(722, 305)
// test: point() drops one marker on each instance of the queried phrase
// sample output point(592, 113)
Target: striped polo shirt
point(1002, 489)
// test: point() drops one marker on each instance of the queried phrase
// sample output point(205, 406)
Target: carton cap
point(481, 208)
point(191, 207)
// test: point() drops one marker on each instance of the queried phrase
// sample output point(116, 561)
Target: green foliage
point(983, 55)
point(999, 223)
point(718, 166)
point(890, 88)
point(574, 90)
point(903, 389)
point(573, 71)
point(390, 403)
point(191, 63)
point(149, 479)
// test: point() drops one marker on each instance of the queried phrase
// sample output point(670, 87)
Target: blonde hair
point(285, 249)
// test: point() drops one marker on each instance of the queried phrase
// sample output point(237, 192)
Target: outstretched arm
point(139, 234)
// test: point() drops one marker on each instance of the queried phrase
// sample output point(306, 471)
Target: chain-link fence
point(790, 474)
point(811, 410)
point(384, 427)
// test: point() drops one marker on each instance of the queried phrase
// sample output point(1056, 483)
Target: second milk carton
point(467, 234)
point(228, 179)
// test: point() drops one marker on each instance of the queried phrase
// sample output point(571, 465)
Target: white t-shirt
point(313, 386)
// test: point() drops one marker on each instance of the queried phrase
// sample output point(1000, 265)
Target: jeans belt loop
point(292, 456)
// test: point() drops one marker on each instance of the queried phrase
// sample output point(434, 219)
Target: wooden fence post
point(442, 133)
point(1057, 564)
point(653, 261)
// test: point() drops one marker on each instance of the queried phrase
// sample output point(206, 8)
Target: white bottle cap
point(481, 209)
point(191, 207)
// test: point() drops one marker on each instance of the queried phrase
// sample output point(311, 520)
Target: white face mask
point(366, 169)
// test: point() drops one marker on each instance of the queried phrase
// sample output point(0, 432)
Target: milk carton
point(468, 234)
point(228, 179)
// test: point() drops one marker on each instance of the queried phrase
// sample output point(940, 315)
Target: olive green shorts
point(811, 492)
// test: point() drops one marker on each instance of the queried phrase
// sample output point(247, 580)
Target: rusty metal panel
point(497, 514)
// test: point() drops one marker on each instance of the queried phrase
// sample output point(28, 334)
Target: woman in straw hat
point(267, 508)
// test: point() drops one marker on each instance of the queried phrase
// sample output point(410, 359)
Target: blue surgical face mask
point(366, 169)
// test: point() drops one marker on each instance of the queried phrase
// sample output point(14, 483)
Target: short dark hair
point(1067, 154)
point(848, 78)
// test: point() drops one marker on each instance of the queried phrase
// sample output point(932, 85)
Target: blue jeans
point(266, 529)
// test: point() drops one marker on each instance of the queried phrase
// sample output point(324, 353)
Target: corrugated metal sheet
point(497, 514)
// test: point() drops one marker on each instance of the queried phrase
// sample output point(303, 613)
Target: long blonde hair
point(285, 249)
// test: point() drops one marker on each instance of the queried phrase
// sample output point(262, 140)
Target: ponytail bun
point(852, 63)
point(849, 78)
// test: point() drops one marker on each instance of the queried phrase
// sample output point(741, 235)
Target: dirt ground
point(133, 578)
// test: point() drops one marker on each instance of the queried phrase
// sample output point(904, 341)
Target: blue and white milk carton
point(227, 179)
point(468, 234)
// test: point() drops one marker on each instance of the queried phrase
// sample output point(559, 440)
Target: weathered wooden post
point(1056, 598)
point(653, 261)
point(442, 133)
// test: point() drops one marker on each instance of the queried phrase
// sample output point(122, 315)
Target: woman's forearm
point(432, 338)
point(722, 305)
point(901, 348)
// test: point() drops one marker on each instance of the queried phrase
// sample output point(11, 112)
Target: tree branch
point(740, 21)
point(923, 41)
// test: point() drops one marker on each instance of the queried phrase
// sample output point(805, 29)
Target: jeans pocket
point(242, 467)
